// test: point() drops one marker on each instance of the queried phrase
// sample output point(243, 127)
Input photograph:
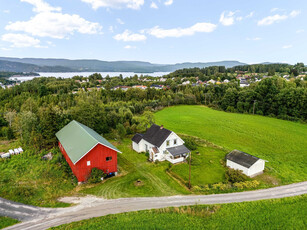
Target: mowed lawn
point(134, 167)
point(206, 167)
point(282, 143)
point(286, 213)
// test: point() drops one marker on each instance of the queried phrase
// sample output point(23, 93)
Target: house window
point(175, 141)
point(88, 163)
point(108, 158)
point(167, 143)
point(146, 148)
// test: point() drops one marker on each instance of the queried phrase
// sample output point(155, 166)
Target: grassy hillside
point(28, 179)
point(133, 167)
point(6, 221)
point(282, 143)
point(287, 213)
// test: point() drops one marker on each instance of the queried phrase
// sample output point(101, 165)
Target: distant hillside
point(65, 65)
point(22, 67)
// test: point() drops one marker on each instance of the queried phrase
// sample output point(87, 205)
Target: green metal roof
point(78, 139)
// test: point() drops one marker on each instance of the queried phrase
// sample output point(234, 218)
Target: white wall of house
point(135, 146)
point(234, 165)
point(170, 140)
point(256, 168)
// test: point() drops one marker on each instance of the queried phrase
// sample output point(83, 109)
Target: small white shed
point(248, 164)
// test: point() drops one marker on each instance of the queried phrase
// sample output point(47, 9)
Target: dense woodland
point(35, 110)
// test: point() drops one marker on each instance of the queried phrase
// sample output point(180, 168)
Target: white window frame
point(167, 143)
point(175, 141)
point(88, 163)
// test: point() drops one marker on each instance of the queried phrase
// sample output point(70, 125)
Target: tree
point(121, 131)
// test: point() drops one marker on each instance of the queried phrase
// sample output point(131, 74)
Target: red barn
point(85, 149)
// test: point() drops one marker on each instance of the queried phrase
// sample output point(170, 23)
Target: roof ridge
point(81, 125)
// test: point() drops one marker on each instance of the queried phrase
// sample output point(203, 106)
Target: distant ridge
point(88, 65)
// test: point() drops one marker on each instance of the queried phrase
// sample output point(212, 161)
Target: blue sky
point(159, 31)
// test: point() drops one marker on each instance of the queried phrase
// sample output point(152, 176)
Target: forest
point(35, 110)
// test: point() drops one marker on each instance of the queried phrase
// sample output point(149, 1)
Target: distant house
point(85, 149)
point(162, 144)
point(156, 86)
point(139, 87)
point(248, 164)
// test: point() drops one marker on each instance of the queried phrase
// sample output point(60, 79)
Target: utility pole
point(254, 107)
point(190, 171)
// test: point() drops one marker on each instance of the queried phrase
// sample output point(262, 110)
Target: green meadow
point(7, 221)
point(286, 213)
point(282, 143)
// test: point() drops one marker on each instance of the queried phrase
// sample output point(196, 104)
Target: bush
point(95, 176)
point(190, 143)
point(234, 176)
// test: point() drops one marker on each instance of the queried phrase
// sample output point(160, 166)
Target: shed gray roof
point(137, 138)
point(156, 135)
point(242, 158)
point(178, 150)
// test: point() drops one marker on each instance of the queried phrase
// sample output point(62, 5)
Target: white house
point(248, 164)
point(162, 144)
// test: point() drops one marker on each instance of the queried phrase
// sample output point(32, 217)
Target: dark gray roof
point(137, 138)
point(178, 150)
point(156, 135)
point(242, 158)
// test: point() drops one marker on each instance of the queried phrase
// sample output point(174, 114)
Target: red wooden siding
point(97, 157)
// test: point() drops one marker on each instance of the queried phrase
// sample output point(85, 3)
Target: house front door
point(146, 148)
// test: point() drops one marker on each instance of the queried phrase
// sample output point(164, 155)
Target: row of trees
point(35, 110)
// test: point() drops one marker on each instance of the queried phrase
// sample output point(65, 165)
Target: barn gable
point(78, 139)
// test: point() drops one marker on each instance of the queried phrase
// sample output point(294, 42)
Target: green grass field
point(206, 167)
point(282, 143)
point(286, 213)
point(134, 166)
point(6, 221)
point(28, 179)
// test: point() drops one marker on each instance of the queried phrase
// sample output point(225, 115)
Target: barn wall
point(72, 166)
point(257, 168)
point(97, 157)
point(234, 165)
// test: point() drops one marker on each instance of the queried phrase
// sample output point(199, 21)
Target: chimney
point(161, 127)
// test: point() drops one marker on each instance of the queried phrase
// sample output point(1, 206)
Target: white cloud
point(111, 29)
point(179, 32)
point(41, 6)
point(153, 5)
point(295, 13)
point(119, 21)
point(277, 18)
point(128, 36)
point(287, 46)
point(6, 11)
point(254, 39)
point(239, 18)
point(47, 23)
point(21, 40)
point(274, 9)
point(300, 31)
point(168, 2)
point(132, 4)
point(227, 18)
point(130, 47)
point(5, 49)
point(251, 14)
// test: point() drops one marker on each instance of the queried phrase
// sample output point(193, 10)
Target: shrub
point(95, 176)
point(190, 143)
point(234, 176)
point(247, 184)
